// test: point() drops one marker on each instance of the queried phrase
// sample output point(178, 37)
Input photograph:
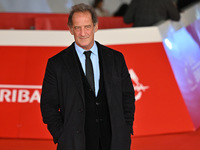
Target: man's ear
point(71, 30)
point(96, 27)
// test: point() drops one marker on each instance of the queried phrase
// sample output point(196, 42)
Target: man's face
point(83, 29)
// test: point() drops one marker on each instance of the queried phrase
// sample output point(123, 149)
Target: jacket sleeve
point(128, 96)
point(172, 11)
point(50, 103)
point(129, 15)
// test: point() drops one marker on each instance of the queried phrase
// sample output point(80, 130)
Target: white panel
point(64, 38)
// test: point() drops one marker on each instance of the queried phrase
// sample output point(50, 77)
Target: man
point(85, 114)
point(183, 4)
point(149, 12)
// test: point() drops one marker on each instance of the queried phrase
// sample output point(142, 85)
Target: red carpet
point(182, 141)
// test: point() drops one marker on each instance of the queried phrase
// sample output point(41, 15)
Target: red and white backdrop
point(160, 104)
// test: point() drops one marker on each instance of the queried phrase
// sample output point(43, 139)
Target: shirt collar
point(80, 50)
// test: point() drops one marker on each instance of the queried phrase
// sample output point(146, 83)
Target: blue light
point(168, 44)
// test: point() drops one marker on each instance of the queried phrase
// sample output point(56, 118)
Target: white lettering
point(5, 94)
point(14, 95)
point(35, 96)
point(23, 96)
point(20, 93)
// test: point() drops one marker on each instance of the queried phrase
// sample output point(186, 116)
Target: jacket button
point(97, 103)
point(80, 110)
point(99, 120)
point(78, 131)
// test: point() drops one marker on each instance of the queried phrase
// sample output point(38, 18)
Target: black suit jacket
point(63, 103)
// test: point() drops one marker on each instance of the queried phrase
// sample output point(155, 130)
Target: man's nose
point(83, 31)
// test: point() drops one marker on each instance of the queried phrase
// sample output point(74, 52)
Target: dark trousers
point(100, 148)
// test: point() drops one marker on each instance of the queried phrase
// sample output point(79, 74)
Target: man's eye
point(77, 28)
point(88, 26)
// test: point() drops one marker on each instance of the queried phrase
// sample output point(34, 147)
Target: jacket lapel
point(71, 62)
point(107, 66)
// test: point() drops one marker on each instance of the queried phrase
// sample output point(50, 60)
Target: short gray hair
point(82, 8)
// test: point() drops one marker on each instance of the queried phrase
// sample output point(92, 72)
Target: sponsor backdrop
point(160, 105)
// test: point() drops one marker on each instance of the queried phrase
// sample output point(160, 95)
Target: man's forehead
point(84, 13)
point(81, 19)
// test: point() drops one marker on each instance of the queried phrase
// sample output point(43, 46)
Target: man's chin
point(84, 45)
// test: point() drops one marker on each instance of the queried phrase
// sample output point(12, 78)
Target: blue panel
point(183, 51)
